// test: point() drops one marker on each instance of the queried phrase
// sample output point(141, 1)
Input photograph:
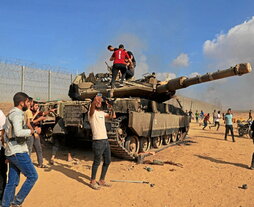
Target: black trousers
point(58, 139)
point(229, 128)
point(3, 173)
point(101, 149)
point(115, 70)
point(129, 74)
point(216, 123)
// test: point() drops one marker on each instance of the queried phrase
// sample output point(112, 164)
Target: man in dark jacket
point(252, 161)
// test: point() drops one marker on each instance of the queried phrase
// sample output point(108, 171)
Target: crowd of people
point(204, 119)
point(20, 133)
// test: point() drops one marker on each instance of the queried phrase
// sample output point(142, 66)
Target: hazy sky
point(167, 36)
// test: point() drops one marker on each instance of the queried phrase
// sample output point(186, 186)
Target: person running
point(206, 120)
point(229, 124)
point(16, 153)
point(119, 57)
point(101, 147)
point(217, 121)
point(196, 116)
point(202, 115)
point(214, 116)
point(190, 115)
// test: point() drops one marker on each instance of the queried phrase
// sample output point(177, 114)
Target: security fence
point(40, 84)
point(49, 84)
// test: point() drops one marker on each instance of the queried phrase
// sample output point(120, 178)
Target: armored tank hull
point(141, 125)
point(144, 121)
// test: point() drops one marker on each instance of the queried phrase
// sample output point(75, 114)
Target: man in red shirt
point(119, 57)
point(206, 120)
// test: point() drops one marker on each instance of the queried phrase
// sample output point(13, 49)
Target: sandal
point(43, 166)
point(104, 184)
point(95, 186)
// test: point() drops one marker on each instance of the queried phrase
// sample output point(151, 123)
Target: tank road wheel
point(145, 143)
point(156, 141)
point(180, 136)
point(166, 139)
point(174, 137)
point(132, 144)
point(184, 134)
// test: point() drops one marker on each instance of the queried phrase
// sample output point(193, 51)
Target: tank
point(145, 120)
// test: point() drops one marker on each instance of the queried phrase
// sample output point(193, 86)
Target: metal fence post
point(49, 85)
point(22, 78)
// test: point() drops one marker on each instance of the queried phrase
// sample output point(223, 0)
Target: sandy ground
point(213, 170)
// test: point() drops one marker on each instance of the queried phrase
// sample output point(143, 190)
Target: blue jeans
point(101, 149)
point(19, 162)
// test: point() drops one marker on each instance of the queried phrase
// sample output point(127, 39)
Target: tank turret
point(144, 122)
point(148, 87)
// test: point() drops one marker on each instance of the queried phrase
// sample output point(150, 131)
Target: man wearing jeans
point(16, 152)
point(101, 146)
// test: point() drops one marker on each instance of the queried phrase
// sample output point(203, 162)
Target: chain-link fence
point(40, 84)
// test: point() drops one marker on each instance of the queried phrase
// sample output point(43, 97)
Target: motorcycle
point(244, 128)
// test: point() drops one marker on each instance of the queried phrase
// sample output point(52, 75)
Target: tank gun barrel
point(183, 82)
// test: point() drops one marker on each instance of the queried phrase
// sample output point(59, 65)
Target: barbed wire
point(42, 84)
point(30, 64)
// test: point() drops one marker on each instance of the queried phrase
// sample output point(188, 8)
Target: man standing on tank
point(119, 57)
point(101, 148)
point(130, 68)
point(229, 124)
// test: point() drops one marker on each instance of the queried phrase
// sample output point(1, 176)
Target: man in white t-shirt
point(217, 121)
point(101, 147)
point(3, 165)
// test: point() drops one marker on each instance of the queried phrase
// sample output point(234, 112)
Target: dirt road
point(213, 170)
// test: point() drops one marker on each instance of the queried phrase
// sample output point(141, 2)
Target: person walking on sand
point(206, 120)
point(101, 147)
point(229, 124)
point(196, 116)
point(16, 152)
point(252, 136)
point(217, 121)
point(214, 116)
point(250, 116)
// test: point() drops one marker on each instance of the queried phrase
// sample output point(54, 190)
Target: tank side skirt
point(156, 124)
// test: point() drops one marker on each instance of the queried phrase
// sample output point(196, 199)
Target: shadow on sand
point(65, 169)
point(222, 161)
point(205, 137)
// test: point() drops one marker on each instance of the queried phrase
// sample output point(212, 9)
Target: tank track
point(116, 146)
